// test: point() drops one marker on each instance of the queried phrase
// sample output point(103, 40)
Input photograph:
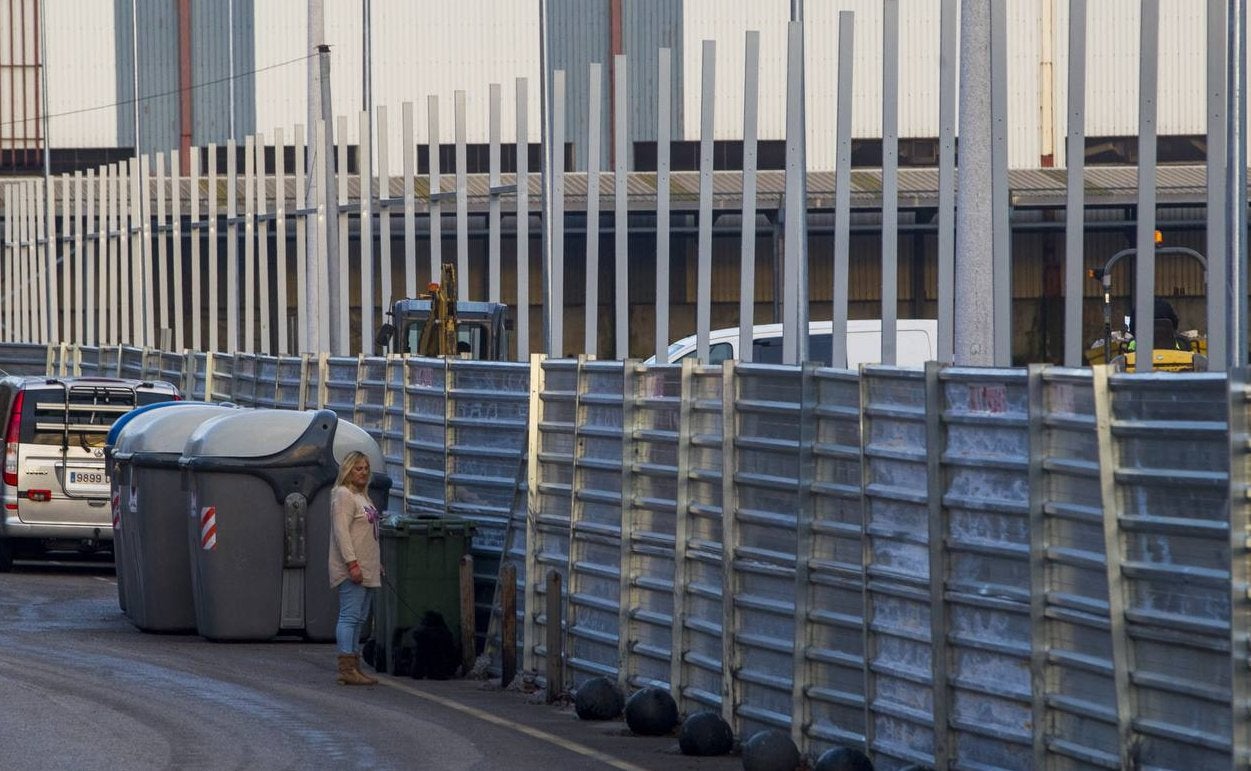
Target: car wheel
point(6, 555)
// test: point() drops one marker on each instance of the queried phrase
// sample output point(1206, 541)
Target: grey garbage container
point(151, 520)
point(123, 566)
point(259, 528)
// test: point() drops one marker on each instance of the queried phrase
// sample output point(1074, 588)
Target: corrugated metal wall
point(580, 35)
point(211, 33)
point(426, 47)
point(648, 26)
point(82, 88)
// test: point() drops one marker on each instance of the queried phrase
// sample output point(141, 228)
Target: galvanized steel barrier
point(974, 568)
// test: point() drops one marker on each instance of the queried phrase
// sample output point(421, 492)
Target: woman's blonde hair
point(349, 461)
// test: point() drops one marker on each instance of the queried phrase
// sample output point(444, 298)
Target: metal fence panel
point(700, 672)
point(985, 462)
point(766, 488)
point(291, 375)
point(167, 366)
point(266, 394)
point(338, 385)
point(1169, 441)
point(595, 522)
point(648, 558)
point(131, 363)
point(425, 444)
point(1076, 699)
point(835, 591)
point(487, 408)
point(393, 429)
point(246, 387)
point(371, 385)
point(23, 359)
point(1240, 562)
point(899, 690)
point(551, 471)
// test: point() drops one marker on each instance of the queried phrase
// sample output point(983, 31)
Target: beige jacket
point(353, 536)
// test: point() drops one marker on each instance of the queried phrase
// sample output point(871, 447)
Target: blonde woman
point(355, 567)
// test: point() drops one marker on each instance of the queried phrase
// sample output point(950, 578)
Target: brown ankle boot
point(356, 664)
point(348, 674)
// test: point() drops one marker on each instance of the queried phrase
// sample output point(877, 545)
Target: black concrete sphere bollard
point(843, 759)
point(705, 734)
point(770, 750)
point(598, 699)
point(651, 712)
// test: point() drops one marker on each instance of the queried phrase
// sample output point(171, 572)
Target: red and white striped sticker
point(117, 510)
point(208, 528)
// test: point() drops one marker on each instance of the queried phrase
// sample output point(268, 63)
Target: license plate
point(86, 481)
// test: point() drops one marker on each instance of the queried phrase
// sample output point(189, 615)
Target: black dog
point(427, 650)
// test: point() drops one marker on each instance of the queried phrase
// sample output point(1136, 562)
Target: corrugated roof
point(918, 188)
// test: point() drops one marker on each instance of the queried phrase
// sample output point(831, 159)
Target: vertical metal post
point(301, 246)
point(556, 233)
point(523, 221)
point(463, 282)
point(249, 243)
point(1236, 185)
point(627, 590)
point(621, 203)
point(366, 269)
point(1039, 543)
point(232, 248)
point(1000, 202)
point(79, 300)
point(594, 107)
point(493, 182)
point(747, 241)
point(214, 309)
point(555, 670)
point(890, 178)
point(1240, 581)
point(162, 251)
point(194, 224)
point(280, 242)
point(436, 206)
point(682, 493)
point(508, 624)
point(973, 336)
point(384, 212)
point(703, 292)
point(1075, 206)
point(731, 652)
point(408, 170)
point(545, 175)
point(842, 189)
point(937, 539)
point(339, 270)
point(1217, 207)
point(795, 254)
point(125, 255)
point(1144, 262)
point(533, 501)
point(664, 106)
point(331, 325)
point(1122, 649)
point(947, 65)
point(263, 287)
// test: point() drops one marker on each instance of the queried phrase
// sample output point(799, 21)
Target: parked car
point(55, 491)
point(916, 343)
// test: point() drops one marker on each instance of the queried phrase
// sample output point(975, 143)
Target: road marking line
point(105, 580)
point(536, 733)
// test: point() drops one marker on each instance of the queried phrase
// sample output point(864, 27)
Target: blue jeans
point(354, 602)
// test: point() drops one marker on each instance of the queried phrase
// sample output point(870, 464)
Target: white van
point(916, 343)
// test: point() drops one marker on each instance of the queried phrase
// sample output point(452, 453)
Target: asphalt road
point(82, 688)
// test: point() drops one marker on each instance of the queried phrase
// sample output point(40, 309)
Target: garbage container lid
point(110, 439)
point(165, 431)
point(259, 433)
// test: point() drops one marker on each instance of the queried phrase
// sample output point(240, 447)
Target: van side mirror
point(383, 338)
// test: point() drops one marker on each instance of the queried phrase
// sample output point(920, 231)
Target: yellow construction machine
point(436, 324)
point(1174, 350)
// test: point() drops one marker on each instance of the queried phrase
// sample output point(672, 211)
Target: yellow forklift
point(436, 324)
point(1174, 350)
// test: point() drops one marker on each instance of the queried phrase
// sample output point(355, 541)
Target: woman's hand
point(354, 572)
